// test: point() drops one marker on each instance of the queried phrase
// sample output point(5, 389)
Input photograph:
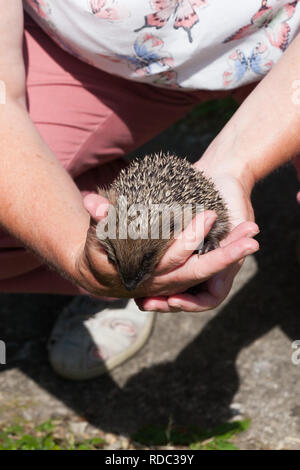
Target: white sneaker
point(93, 336)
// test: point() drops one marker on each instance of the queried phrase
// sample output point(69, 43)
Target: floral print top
point(181, 44)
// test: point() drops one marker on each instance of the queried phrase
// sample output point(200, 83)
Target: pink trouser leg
point(90, 120)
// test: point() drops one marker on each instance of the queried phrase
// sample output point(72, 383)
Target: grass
point(218, 438)
point(47, 437)
point(43, 437)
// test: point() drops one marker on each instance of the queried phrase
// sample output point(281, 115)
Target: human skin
point(38, 195)
point(262, 135)
point(250, 146)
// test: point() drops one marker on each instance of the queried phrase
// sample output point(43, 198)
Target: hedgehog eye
point(111, 257)
point(148, 257)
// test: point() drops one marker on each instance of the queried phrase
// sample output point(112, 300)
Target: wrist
point(70, 259)
point(224, 157)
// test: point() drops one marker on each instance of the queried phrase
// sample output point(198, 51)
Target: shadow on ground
point(198, 383)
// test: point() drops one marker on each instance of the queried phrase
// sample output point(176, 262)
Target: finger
point(96, 205)
point(245, 229)
point(200, 268)
point(83, 291)
point(188, 241)
point(218, 289)
point(220, 284)
point(177, 303)
point(153, 304)
point(193, 303)
point(204, 267)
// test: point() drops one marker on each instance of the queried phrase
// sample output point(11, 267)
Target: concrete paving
point(200, 369)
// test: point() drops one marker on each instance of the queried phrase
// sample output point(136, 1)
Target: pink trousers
point(90, 120)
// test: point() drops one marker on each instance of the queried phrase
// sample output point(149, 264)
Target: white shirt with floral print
point(181, 44)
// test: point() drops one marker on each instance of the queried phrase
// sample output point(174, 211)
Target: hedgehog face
point(135, 260)
point(137, 251)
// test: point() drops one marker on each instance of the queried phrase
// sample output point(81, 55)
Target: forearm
point(264, 133)
point(39, 203)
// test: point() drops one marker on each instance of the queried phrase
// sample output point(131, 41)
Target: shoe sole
point(113, 362)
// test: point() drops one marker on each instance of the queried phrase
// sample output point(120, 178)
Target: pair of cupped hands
point(179, 268)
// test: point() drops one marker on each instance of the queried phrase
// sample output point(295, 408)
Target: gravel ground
point(200, 369)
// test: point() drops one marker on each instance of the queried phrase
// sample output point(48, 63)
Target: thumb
point(96, 205)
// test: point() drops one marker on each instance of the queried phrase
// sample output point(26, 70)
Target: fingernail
point(176, 305)
point(250, 252)
point(101, 211)
point(175, 309)
point(252, 233)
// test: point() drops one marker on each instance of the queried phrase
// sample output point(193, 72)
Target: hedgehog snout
point(134, 274)
point(130, 284)
point(132, 280)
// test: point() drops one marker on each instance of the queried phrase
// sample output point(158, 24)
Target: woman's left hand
point(216, 287)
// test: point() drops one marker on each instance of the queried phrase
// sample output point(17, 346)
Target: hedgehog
point(139, 198)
